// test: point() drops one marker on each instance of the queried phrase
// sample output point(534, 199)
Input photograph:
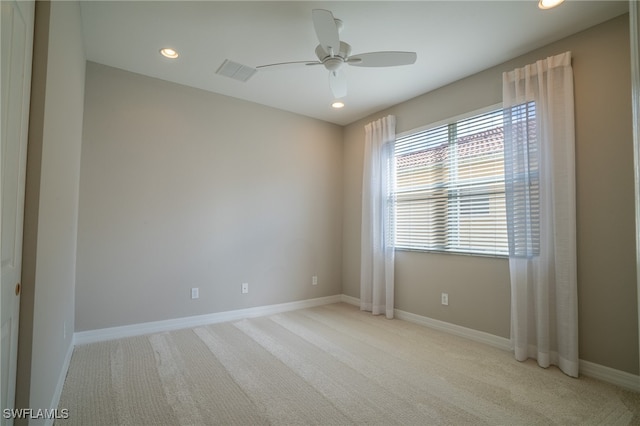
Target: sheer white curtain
point(540, 173)
point(377, 238)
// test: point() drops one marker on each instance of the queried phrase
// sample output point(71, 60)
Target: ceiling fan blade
point(338, 84)
point(289, 63)
point(326, 30)
point(382, 59)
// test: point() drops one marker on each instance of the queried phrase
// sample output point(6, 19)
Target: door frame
point(634, 23)
point(26, 10)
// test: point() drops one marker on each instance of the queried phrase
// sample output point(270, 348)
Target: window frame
point(446, 122)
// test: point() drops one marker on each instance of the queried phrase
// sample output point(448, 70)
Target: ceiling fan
point(334, 54)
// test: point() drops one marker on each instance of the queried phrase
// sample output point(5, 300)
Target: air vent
point(236, 71)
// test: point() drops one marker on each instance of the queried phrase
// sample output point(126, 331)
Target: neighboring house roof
point(486, 142)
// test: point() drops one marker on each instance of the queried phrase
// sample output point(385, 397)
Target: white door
point(17, 42)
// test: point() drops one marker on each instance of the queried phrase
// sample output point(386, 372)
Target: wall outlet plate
point(314, 280)
point(245, 288)
point(195, 293)
point(445, 299)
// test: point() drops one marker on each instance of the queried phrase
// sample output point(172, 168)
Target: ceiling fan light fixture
point(337, 104)
point(549, 4)
point(168, 52)
point(333, 64)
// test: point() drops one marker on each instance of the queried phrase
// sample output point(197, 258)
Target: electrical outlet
point(245, 288)
point(195, 293)
point(445, 299)
point(314, 280)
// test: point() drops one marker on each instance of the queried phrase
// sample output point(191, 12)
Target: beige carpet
point(331, 365)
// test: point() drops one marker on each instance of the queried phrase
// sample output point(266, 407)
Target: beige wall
point(51, 207)
point(182, 188)
point(478, 288)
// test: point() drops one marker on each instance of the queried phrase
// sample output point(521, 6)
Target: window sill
point(456, 253)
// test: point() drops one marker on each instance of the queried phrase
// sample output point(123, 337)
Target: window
point(449, 191)
point(523, 180)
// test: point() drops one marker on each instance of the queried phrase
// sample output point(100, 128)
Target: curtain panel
point(541, 218)
point(378, 223)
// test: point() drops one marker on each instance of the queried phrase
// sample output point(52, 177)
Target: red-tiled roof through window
point(487, 142)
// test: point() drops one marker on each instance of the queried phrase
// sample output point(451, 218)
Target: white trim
point(610, 375)
point(350, 300)
point(596, 371)
point(55, 401)
point(471, 334)
point(450, 120)
point(458, 330)
point(634, 30)
point(606, 374)
point(104, 334)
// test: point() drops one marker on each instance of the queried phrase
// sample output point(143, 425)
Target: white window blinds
point(450, 188)
point(522, 180)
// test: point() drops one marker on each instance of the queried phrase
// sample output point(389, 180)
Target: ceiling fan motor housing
point(335, 62)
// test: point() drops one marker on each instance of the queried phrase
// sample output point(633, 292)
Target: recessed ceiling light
point(168, 52)
point(548, 4)
point(337, 104)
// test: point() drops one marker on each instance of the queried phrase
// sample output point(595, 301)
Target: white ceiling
point(453, 39)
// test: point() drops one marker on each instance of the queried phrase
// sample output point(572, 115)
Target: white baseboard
point(596, 371)
point(471, 334)
point(590, 369)
point(458, 330)
point(55, 401)
point(104, 334)
point(610, 375)
point(350, 300)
